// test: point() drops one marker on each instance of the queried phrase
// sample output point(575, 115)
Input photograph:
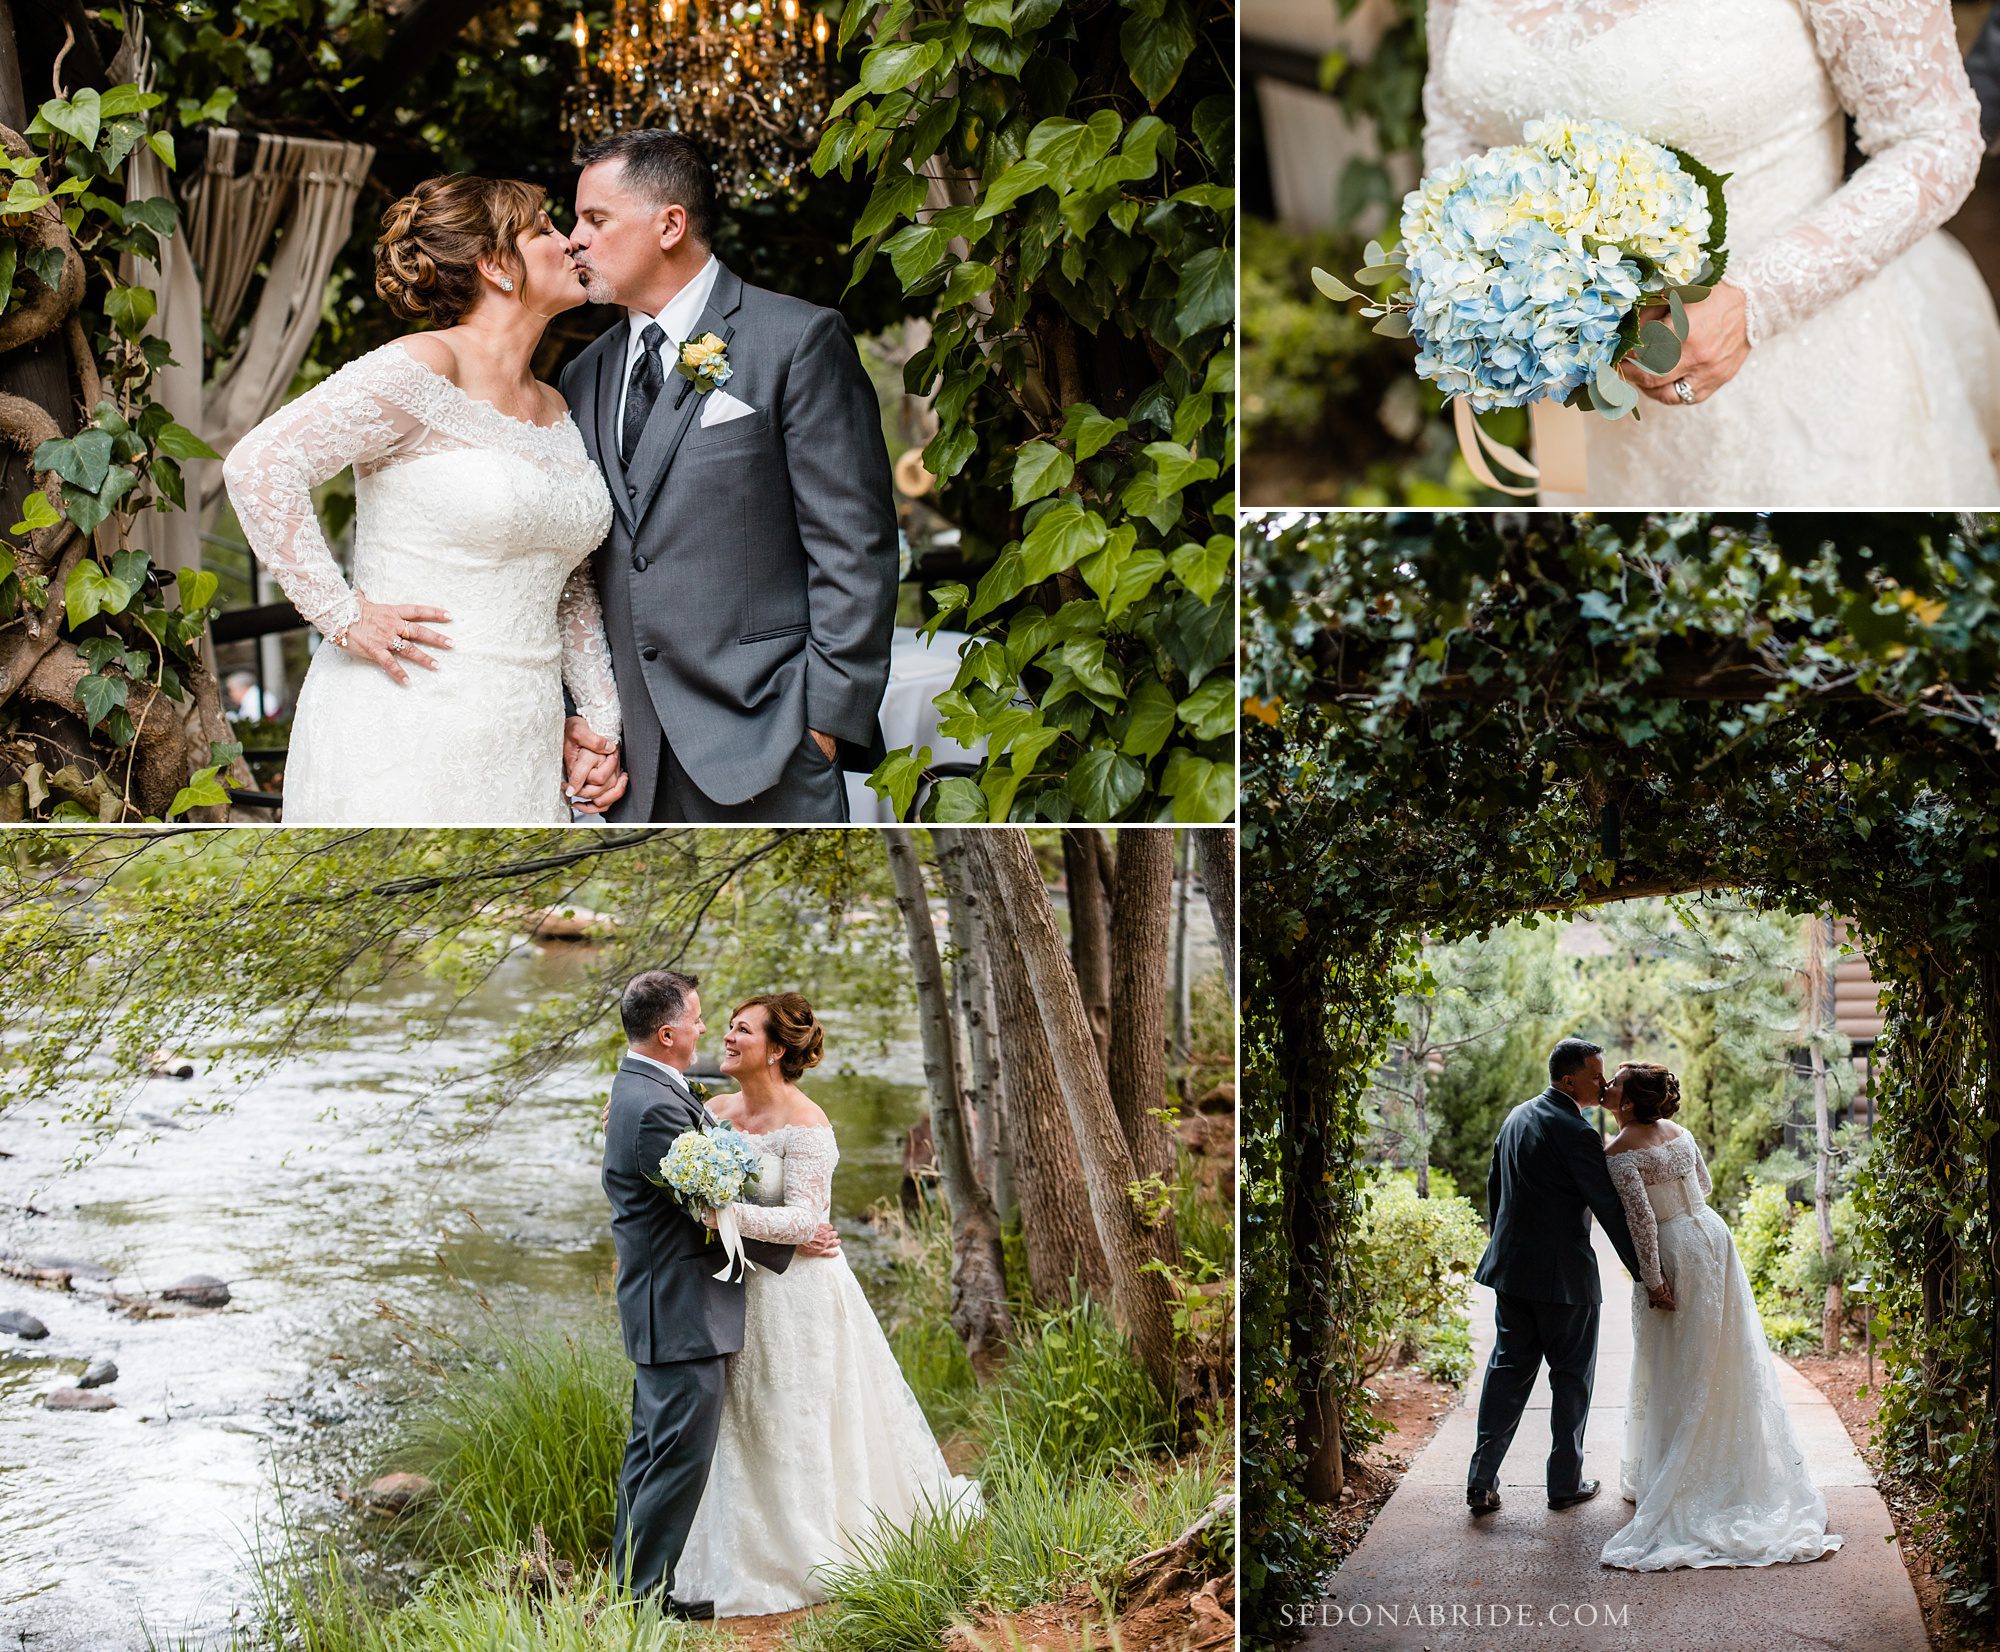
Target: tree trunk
point(1183, 986)
point(1420, 1100)
point(1047, 1174)
point(1141, 901)
point(978, 1271)
point(1215, 846)
point(1818, 1013)
point(1142, 1299)
point(972, 989)
point(1086, 868)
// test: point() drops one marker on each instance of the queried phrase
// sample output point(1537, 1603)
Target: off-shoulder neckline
point(467, 396)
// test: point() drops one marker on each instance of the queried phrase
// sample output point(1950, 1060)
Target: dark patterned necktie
point(642, 390)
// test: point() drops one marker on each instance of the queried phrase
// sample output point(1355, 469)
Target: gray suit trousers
point(676, 1415)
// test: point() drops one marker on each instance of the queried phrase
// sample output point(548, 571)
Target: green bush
point(1419, 1256)
point(1071, 1398)
point(1778, 1242)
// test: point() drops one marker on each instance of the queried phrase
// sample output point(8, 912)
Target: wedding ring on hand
point(1685, 392)
point(402, 642)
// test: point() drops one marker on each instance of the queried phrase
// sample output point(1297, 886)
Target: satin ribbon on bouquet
point(1561, 463)
point(737, 1263)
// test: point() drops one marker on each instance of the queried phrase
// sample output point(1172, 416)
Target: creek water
point(330, 1187)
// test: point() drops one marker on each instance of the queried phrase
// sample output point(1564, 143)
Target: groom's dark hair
point(654, 1000)
point(664, 168)
point(1569, 1056)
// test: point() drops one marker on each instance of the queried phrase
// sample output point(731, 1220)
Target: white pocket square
point(719, 407)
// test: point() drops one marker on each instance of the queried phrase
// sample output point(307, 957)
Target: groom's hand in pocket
point(824, 1242)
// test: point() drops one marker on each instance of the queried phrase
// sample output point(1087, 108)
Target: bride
point(476, 509)
point(1711, 1462)
point(823, 1446)
point(1851, 355)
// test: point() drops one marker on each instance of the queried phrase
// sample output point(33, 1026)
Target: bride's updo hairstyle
point(1652, 1091)
point(427, 260)
point(792, 1028)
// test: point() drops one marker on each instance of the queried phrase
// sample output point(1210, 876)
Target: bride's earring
point(506, 283)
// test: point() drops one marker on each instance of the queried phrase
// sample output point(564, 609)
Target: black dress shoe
point(1569, 1499)
point(688, 1611)
point(1482, 1499)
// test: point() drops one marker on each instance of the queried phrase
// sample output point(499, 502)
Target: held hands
point(593, 776)
point(1662, 1295)
point(824, 1242)
point(825, 742)
point(1716, 347)
point(387, 633)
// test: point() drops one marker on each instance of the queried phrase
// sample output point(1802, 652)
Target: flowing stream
point(327, 1190)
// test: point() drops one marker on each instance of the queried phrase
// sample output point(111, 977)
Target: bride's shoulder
point(807, 1114)
point(432, 350)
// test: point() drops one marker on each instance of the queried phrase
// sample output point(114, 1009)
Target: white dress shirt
point(678, 1077)
point(677, 321)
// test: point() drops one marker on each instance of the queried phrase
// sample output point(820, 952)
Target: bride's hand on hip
point(1717, 345)
point(388, 634)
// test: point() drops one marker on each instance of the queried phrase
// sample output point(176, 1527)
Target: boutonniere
point(701, 1092)
point(704, 363)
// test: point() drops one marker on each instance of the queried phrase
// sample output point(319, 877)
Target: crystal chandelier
point(746, 80)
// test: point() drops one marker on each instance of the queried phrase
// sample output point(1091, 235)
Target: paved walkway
point(1529, 1577)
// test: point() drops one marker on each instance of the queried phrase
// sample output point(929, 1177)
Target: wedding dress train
point(457, 506)
point(1711, 1461)
point(822, 1444)
point(1874, 373)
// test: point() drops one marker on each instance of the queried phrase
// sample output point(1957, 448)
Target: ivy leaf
point(1022, 178)
point(1087, 430)
point(898, 194)
point(1093, 672)
point(1206, 296)
point(10, 255)
point(914, 251)
point(1062, 536)
point(100, 696)
point(1151, 716)
point(1156, 48)
point(203, 791)
point(81, 459)
point(36, 514)
point(156, 212)
point(890, 68)
point(897, 778)
point(1203, 568)
point(79, 117)
point(1039, 469)
point(1204, 792)
point(130, 308)
point(162, 145)
point(1210, 711)
point(968, 280)
point(1104, 784)
point(128, 99)
point(956, 801)
point(1067, 146)
point(197, 588)
point(1176, 467)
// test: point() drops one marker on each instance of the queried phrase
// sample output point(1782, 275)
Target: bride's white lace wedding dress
point(1711, 1461)
point(461, 507)
point(822, 1443)
point(1874, 373)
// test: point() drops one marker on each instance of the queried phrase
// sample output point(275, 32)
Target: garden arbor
point(1454, 722)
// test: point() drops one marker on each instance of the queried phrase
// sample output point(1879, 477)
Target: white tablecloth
point(919, 672)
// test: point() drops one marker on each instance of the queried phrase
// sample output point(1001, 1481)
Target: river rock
point(78, 1399)
point(167, 1064)
point(25, 1326)
point(101, 1374)
point(395, 1493)
point(198, 1290)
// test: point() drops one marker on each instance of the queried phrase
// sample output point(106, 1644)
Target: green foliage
point(1779, 1245)
point(1417, 1274)
point(134, 627)
point(1454, 721)
point(1072, 1398)
point(1075, 263)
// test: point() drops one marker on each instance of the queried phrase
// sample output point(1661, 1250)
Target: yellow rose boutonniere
point(704, 363)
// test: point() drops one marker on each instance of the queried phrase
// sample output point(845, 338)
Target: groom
point(679, 1321)
point(749, 578)
point(1547, 1177)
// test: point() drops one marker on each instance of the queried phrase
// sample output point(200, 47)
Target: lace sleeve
point(1701, 1170)
point(586, 656)
point(360, 417)
point(1896, 68)
point(1638, 1214)
point(1446, 137)
point(809, 1159)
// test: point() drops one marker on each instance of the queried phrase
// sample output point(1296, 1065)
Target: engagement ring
point(1683, 390)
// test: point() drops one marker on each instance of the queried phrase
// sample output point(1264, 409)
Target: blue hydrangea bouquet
point(1522, 273)
point(707, 1170)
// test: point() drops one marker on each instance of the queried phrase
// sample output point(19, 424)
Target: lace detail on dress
point(810, 1153)
point(1633, 1171)
point(1896, 67)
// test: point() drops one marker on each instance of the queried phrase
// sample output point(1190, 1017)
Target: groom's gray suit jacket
point(1547, 1176)
point(749, 578)
point(669, 1306)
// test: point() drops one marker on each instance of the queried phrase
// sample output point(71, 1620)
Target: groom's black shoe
point(1482, 1499)
point(1584, 1492)
point(688, 1611)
